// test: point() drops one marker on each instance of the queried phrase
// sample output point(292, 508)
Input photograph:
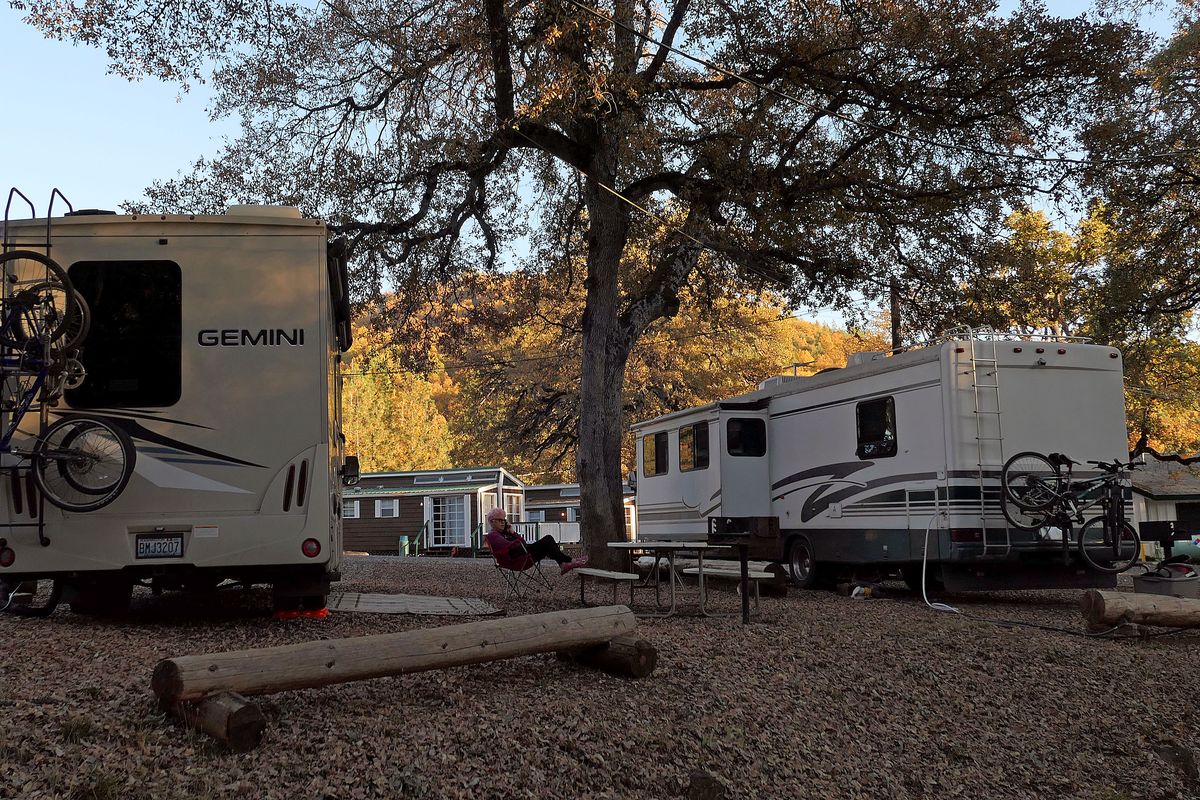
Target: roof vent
point(858, 359)
point(278, 212)
point(777, 380)
point(89, 212)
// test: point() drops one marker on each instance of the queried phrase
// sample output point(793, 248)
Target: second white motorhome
point(891, 461)
point(215, 344)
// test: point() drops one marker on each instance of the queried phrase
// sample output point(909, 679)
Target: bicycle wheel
point(1099, 550)
point(1030, 481)
point(82, 464)
point(40, 313)
point(1021, 519)
point(79, 323)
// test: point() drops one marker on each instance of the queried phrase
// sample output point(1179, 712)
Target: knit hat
point(496, 513)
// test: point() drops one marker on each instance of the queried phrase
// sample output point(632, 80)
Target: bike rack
point(8, 242)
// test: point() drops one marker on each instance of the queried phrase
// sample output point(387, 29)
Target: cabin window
point(877, 428)
point(349, 509)
point(693, 447)
point(654, 454)
point(132, 351)
point(387, 508)
point(746, 436)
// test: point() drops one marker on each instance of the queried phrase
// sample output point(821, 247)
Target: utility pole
point(895, 293)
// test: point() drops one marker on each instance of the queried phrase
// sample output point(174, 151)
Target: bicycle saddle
point(1061, 460)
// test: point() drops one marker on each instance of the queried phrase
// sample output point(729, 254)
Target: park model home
point(214, 347)
point(860, 466)
point(434, 511)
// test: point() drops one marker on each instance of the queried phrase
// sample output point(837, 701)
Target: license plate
point(160, 546)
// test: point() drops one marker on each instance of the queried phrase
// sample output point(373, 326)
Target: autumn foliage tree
point(810, 148)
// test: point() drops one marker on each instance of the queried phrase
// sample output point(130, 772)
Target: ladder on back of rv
point(989, 429)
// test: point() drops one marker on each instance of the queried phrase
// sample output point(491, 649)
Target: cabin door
point(745, 463)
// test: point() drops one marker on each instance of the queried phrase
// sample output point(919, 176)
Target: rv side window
point(693, 447)
point(877, 428)
point(746, 437)
point(654, 454)
point(132, 351)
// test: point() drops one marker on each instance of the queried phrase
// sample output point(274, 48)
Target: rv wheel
point(912, 578)
point(801, 564)
point(101, 598)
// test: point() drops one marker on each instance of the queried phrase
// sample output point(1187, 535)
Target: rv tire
point(801, 565)
point(911, 573)
point(101, 597)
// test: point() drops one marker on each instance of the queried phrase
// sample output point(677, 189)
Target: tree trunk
point(606, 347)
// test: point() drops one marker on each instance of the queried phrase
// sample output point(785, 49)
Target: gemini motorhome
point(214, 344)
point(861, 466)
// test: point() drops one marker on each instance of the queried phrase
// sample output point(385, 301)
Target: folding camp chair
point(526, 579)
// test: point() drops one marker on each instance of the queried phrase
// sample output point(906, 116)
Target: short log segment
point(227, 716)
point(321, 663)
point(624, 656)
point(1115, 608)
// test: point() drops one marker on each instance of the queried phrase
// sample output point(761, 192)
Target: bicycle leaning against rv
point(1048, 495)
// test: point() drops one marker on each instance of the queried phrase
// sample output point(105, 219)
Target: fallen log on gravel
point(321, 663)
point(625, 656)
point(227, 716)
point(1106, 609)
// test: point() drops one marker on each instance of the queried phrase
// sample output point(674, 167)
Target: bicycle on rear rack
point(78, 463)
point(1040, 491)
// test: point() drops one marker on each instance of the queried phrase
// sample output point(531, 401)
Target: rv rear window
point(746, 437)
point(693, 447)
point(877, 428)
point(131, 355)
point(654, 454)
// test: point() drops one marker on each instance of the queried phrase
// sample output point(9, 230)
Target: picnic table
point(667, 549)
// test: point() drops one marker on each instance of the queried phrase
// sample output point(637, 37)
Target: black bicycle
point(1040, 491)
point(79, 463)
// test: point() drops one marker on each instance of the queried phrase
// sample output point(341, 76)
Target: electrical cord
point(1012, 623)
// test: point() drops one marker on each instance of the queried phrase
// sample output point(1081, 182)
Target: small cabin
point(436, 512)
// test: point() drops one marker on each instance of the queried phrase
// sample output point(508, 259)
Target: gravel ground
point(823, 697)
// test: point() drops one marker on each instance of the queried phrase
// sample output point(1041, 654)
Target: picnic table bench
point(734, 573)
point(606, 575)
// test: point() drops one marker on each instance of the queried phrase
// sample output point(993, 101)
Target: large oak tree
point(812, 147)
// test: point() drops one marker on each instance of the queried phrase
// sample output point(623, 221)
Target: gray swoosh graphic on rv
point(138, 431)
point(817, 503)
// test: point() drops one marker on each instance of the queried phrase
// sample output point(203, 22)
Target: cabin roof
point(1167, 480)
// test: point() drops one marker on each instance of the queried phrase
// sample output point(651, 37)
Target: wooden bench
point(605, 575)
point(723, 573)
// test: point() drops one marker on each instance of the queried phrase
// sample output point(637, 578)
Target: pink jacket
point(509, 550)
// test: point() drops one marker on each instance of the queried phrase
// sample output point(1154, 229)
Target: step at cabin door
point(745, 463)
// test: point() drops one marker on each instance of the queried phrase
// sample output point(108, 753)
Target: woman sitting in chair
point(512, 552)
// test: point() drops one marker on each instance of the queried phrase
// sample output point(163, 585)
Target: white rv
point(861, 466)
point(215, 345)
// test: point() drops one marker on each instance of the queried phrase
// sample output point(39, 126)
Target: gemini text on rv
point(234, 337)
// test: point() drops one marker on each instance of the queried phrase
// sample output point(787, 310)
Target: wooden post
point(1114, 608)
point(625, 656)
point(227, 716)
point(310, 664)
point(744, 557)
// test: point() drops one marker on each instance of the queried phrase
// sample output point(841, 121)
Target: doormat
point(410, 604)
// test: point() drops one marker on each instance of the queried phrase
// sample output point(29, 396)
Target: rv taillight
point(966, 535)
point(1112, 355)
point(1040, 350)
point(311, 548)
point(7, 556)
point(960, 349)
point(1062, 351)
point(1016, 349)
